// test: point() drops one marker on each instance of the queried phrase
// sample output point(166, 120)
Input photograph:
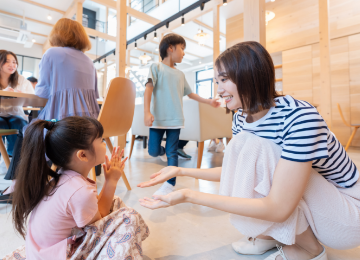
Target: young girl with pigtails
point(67, 218)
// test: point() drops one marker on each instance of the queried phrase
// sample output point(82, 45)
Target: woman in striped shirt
point(285, 179)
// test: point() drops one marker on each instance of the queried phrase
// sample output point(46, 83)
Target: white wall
point(17, 48)
point(191, 78)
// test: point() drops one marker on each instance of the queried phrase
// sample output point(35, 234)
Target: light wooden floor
point(181, 232)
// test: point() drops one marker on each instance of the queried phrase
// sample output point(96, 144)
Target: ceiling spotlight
point(33, 40)
point(225, 2)
point(183, 21)
point(202, 6)
point(114, 52)
point(145, 36)
point(157, 49)
point(155, 36)
point(49, 17)
point(135, 45)
point(272, 0)
point(199, 62)
point(167, 24)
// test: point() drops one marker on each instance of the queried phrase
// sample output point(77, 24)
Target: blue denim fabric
point(12, 122)
point(172, 140)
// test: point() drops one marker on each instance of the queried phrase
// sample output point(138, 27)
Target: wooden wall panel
point(354, 63)
point(297, 73)
point(340, 91)
point(296, 23)
point(233, 32)
point(315, 49)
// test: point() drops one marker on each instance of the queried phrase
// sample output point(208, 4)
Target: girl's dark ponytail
point(34, 178)
point(33, 175)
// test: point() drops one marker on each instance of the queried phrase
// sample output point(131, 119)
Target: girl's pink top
point(73, 204)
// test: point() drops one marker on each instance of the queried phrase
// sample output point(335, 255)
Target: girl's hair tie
point(51, 125)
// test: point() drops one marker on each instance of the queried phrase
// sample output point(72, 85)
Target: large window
point(28, 66)
point(204, 83)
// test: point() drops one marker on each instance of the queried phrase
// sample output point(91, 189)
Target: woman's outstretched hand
point(161, 176)
point(164, 201)
point(114, 167)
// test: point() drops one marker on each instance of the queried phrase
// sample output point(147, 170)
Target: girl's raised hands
point(113, 168)
point(161, 176)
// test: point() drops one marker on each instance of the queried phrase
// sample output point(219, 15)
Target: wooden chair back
point(117, 112)
point(342, 116)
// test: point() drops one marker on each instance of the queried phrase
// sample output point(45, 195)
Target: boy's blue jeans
point(172, 140)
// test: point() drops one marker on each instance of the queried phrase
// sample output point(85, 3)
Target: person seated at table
point(33, 81)
point(67, 78)
point(285, 178)
point(12, 117)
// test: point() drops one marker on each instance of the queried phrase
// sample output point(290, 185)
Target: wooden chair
point(116, 114)
point(356, 126)
point(3, 151)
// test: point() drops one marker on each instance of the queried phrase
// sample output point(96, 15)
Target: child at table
point(63, 203)
point(165, 89)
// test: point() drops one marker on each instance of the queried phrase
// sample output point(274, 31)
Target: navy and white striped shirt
point(302, 133)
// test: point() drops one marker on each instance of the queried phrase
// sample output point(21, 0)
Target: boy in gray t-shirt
point(165, 89)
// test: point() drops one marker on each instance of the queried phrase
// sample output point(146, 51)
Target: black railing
point(94, 24)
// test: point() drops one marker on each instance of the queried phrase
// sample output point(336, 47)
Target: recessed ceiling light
point(49, 17)
point(33, 40)
point(157, 49)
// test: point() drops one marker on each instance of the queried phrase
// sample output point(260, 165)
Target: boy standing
point(165, 89)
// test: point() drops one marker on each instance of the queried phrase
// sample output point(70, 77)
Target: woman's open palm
point(164, 201)
point(161, 176)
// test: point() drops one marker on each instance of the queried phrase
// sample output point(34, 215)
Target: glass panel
point(30, 67)
point(204, 88)
point(205, 74)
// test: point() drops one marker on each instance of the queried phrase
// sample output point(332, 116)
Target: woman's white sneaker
point(253, 246)
point(322, 256)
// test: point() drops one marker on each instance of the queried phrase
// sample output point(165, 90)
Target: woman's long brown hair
point(14, 78)
point(34, 178)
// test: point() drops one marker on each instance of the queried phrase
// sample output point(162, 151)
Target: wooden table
point(8, 98)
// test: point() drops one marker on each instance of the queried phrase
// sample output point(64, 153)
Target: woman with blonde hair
point(67, 78)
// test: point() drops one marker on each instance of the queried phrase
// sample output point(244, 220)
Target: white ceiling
point(189, 30)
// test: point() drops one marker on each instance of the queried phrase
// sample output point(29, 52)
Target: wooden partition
point(301, 79)
point(294, 32)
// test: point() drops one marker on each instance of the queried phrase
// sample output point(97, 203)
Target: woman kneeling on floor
point(285, 177)
point(68, 219)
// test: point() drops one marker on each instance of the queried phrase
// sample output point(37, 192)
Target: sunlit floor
point(181, 232)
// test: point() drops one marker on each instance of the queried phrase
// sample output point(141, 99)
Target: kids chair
point(116, 114)
point(3, 152)
point(356, 126)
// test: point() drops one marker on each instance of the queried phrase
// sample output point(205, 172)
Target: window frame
point(202, 80)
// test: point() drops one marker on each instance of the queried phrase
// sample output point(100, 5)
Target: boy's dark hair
point(34, 178)
point(171, 39)
point(250, 67)
point(32, 79)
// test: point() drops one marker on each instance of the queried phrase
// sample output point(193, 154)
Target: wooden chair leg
point(93, 174)
point(4, 153)
point(200, 154)
point(109, 144)
point(228, 140)
point(131, 145)
point(351, 137)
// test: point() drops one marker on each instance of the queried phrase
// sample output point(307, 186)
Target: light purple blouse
point(67, 78)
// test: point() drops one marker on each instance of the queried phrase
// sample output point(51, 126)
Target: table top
point(25, 99)
point(21, 99)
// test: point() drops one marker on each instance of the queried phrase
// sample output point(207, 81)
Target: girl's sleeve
point(42, 89)
point(83, 205)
